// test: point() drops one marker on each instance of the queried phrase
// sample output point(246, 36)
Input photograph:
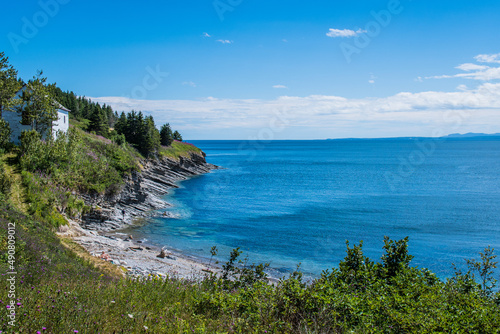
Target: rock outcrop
point(141, 194)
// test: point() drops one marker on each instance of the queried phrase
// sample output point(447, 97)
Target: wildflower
point(131, 316)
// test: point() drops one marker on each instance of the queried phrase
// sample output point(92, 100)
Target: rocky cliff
point(141, 194)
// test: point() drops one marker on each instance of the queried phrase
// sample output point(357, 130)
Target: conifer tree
point(166, 135)
point(37, 107)
point(177, 136)
point(9, 85)
point(98, 121)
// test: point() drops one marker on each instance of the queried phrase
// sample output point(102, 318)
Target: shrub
point(5, 133)
point(78, 161)
point(5, 182)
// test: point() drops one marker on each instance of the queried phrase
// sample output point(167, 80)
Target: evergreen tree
point(37, 106)
point(177, 136)
point(166, 135)
point(4, 133)
point(98, 121)
point(121, 124)
point(9, 85)
point(151, 137)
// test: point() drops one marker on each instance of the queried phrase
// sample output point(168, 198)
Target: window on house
point(64, 120)
point(24, 118)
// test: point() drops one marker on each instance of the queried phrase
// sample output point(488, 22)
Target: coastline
point(137, 259)
point(100, 229)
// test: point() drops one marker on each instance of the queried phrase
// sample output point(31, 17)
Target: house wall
point(14, 120)
point(62, 123)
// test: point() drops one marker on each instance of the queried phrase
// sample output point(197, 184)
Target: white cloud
point(319, 116)
point(489, 74)
point(372, 79)
point(472, 67)
point(491, 58)
point(280, 86)
point(189, 83)
point(206, 34)
point(476, 71)
point(225, 41)
point(344, 33)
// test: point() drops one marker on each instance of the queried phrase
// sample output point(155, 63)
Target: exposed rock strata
point(141, 193)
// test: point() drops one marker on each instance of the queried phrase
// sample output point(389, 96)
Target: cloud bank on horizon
point(428, 113)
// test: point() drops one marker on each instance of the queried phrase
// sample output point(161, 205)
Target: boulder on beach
point(162, 254)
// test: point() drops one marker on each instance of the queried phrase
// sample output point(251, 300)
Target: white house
point(14, 120)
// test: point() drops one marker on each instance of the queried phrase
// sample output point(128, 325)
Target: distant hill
point(450, 136)
point(472, 135)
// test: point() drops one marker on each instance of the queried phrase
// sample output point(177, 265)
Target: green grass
point(17, 193)
point(62, 292)
point(61, 288)
point(179, 149)
point(80, 124)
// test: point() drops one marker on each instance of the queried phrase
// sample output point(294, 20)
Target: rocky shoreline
point(141, 193)
point(98, 230)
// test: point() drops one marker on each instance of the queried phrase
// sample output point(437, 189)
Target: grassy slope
point(60, 287)
point(179, 149)
point(17, 195)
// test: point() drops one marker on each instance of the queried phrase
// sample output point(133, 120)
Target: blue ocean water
point(291, 202)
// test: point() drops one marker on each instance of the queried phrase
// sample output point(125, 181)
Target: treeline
point(101, 117)
point(38, 105)
point(138, 130)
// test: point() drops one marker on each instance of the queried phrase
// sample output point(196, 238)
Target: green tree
point(9, 85)
point(37, 106)
point(485, 268)
point(177, 136)
point(121, 124)
point(396, 257)
point(98, 121)
point(5, 133)
point(151, 137)
point(166, 134)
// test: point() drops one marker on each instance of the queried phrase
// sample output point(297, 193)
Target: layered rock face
point(141, 193)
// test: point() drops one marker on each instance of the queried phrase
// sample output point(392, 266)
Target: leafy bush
point(77, 160)
point(5, 133)
point(5, 182)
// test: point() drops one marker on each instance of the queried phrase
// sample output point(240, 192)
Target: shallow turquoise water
point(290, 202)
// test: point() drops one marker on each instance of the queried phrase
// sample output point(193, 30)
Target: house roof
point(57, 104)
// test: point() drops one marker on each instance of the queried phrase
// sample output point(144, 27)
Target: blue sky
point(231, 69)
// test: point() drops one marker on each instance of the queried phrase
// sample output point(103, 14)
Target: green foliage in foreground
point(5, 183)
point(62, 293)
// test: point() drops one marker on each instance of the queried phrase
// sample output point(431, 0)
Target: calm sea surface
point(290, 202)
